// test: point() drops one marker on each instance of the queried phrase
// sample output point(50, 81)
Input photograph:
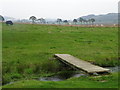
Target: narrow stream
point(114, 69)
point(67, 75)
point(63, 76)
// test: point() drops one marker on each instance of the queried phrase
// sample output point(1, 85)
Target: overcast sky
point(65, 9)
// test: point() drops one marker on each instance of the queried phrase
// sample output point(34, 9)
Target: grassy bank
point(109, 81)
point(28, 49)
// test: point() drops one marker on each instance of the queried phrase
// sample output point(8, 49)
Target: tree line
point(41, 20)
point(80, 20)
point(60, 21)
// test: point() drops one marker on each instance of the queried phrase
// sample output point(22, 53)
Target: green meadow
point(28, 51)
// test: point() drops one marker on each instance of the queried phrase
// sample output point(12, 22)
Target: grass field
point(28, 51)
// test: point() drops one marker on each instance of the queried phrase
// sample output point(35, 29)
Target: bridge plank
point(80, 64)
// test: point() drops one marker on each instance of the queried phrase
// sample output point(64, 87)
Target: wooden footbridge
point(80, 64)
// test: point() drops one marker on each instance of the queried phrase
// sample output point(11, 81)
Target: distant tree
point(65, 21)
point(75, 21)
point(92, 20)
point(89, 21)
point(39, 20)
point(85, 21)
point(81, 20)
point(59, 20)
point(33, 18)
point(42, 21)
point(2, 18)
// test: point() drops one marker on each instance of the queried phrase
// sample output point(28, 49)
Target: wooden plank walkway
point(80, 64)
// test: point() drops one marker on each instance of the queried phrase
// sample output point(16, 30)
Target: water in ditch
point(70, 74)
point(63, 76)
point(66, 75)
point(114, 69)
